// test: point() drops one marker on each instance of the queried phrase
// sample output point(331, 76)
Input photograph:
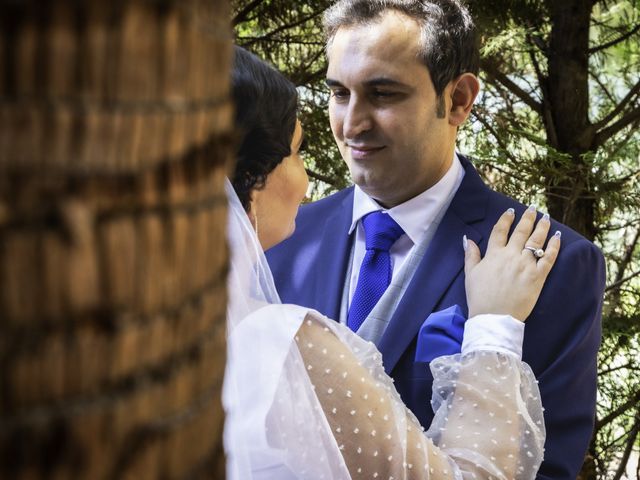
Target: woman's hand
point(509, 279)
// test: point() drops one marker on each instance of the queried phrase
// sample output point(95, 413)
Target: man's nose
point(357, 118)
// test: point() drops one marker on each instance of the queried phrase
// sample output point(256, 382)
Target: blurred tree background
point(556, 125)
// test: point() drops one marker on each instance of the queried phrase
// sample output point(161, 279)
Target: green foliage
point(515, 151)
point(619, 384)
point(289, 35)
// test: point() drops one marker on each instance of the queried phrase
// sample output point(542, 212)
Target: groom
point(403, 78)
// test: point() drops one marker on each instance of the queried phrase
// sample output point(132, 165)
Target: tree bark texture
point(114, 144)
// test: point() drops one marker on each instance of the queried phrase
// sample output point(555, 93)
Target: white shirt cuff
point(498, 333)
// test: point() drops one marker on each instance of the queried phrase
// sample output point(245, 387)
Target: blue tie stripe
point(381, 232)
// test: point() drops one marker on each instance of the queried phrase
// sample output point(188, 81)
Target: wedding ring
point(537, 252)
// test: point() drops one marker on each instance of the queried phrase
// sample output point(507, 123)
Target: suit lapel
point(442, 263)
point(333, 255)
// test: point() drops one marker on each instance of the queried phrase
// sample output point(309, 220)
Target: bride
point(307, 398)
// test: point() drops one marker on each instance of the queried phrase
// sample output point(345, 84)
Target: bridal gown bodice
point(343, 418)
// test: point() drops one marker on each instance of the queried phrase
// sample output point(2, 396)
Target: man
point(403, 78)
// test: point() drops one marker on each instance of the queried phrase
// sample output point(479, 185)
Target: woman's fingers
point(500, 230)
point(523, 229)
point(538, 237)
point(509, 278)
point(545, 264)
point(471, 255)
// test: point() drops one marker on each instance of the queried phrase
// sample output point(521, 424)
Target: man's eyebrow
point(384, 82)
point(374, 82)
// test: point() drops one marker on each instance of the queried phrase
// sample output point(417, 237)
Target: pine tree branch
point(242, 15)
point(621, 282)
point(605, 134)
point(283, 41)
point(628, 177)
point(615, 41)
point(497, 137)
point(300, 21)
point(613, 228)
point(626, 366)
point(304, 74)
point(603, 87)
point(630, 443)
point(323, 178)
point(628, 257)
point(504, 80)
point(620, 107)
point(611, 416)
point(534, 60)
point(623, 265)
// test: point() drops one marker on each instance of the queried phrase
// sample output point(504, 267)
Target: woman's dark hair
point(266, 110)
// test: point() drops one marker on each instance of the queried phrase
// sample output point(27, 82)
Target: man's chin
point(376, 190)
point(292, 230)
point(367, 180)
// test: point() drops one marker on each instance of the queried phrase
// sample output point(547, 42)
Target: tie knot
point(381, 231)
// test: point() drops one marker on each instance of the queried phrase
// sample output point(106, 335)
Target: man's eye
point(383, 93)
point(339, 93)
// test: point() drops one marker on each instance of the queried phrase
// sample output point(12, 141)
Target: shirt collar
point(416, 214)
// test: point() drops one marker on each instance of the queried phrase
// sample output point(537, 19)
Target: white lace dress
point(344, 418)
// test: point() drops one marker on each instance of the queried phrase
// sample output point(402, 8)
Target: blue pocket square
point(440, 334)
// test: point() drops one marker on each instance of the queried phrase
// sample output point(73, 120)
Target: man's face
point(384, 110)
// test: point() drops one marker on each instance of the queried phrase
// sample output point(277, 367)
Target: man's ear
point(463, 93)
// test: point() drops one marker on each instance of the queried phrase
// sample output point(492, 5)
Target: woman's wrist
point(491, 332)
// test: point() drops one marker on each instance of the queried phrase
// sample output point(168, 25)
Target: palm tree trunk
point(114, 128)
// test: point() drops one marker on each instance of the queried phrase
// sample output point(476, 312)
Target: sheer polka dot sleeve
point(488, 421)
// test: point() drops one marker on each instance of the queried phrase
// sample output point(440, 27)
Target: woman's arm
point(488, 421)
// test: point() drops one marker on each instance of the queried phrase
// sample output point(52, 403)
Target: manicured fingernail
point(557, 234)
point(511, 211)
point(532, 208)
point(545, 217)
point(465, 243)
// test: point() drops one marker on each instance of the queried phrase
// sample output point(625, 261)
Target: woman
point(307, 398)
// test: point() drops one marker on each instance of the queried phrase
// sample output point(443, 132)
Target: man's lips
point(363, 150)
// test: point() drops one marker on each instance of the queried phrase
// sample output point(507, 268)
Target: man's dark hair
point(266, 110)
point(448, 45)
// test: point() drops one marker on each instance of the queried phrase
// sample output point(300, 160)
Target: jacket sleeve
point(562, 339)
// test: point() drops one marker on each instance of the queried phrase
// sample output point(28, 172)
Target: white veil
point(268, 397)
point(250, 282)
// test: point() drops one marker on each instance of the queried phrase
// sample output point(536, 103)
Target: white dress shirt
point(414, 217)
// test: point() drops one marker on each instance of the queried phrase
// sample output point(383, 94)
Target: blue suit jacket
point(562, 335)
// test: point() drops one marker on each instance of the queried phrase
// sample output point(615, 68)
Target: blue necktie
point(381, 232)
